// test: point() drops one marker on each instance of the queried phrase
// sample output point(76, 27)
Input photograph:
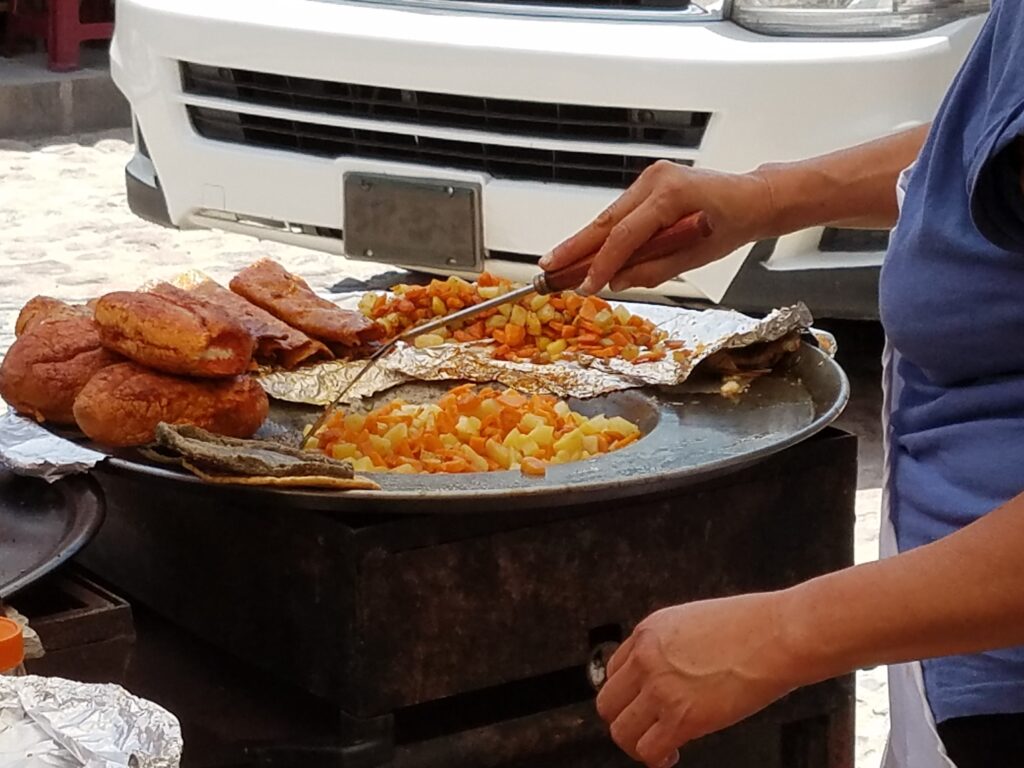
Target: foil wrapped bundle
point(704, 332)
point(48, 722)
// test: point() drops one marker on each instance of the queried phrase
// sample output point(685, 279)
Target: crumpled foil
point(33, 645)
point(704, 332)
point(26, 448)
point(47, 722)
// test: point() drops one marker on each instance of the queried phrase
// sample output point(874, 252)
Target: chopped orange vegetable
point(524, 330)
point(472, 430)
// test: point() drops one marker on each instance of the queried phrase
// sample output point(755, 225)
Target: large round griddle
point(689, 437)
point(42, 525)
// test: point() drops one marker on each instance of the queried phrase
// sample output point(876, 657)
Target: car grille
point(498, 160)
point(571, 122)
point(664, 129)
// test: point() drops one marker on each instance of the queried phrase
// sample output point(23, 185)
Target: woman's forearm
point(961, 594)
point(853, 187)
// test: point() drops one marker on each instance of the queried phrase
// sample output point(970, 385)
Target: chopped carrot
point(534, 467)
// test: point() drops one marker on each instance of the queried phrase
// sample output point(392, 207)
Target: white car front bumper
point(767, 99)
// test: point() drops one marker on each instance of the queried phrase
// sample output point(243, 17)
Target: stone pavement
point(68, 233)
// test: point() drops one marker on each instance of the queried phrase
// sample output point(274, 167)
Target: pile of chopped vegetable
point(471, 430)
point(538, 329)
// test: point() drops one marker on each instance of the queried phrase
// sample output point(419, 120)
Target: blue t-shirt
point(952, 303)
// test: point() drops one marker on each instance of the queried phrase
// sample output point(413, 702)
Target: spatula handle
point(680, 235)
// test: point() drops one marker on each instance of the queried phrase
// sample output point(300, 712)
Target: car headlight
point(852, 18)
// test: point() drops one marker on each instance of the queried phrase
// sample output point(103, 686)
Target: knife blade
point(677, 237)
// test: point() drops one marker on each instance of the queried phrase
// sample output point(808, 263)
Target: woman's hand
point(694, 669)
point(738, 207)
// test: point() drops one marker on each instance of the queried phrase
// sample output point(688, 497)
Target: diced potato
point(513, 439)
point(621, 426)
point(530, 421)
point(562, 409)
point(449, 441)
point(363, 464)
point(397, 433)
point(496, 321)
point(505, 310)
point(571, 442)
point(488, 408)
point(344, 451)
point(427, 340)
point(557, 347)
point(529, 447)
point(478, 462)
point(595, 425)
point(518, 316)
point(542, 343)
point(380, 444)
point(499, 453)
point(533, 326)
point(405, 469)
point(468, 425)
point(312, 444)
point(604, 320)
point(354, 422)
point(543, 435)
point(537, 301)
point(590, 444)
point(546, 313)
point(488, 291)
point(621, 314)
point(438, 306)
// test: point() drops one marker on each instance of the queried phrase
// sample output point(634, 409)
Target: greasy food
point(43, 308)
point(269, 286)
point(219, 459)
point(537, 329)
point(277, 343)
point(123, 404)
point(235, 456)
point(49, 364)
point(471, 430)
point(175, 332)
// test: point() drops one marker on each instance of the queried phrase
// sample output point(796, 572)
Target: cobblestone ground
point(67, 232)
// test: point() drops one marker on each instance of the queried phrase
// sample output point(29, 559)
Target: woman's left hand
point(694, 669)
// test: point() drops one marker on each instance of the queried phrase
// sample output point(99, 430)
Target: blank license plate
point(412, 222)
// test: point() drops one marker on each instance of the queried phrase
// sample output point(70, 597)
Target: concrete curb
point(35, 102)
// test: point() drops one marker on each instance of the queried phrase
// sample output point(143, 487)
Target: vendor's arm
point(694, 669)
point(851, 188)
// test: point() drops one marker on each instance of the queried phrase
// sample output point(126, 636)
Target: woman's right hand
point(738, 206)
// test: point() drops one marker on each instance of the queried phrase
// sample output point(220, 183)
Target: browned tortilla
point(308, 481)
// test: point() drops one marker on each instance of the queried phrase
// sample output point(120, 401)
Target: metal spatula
point(680, 235)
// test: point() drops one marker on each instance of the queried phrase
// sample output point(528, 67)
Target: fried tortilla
point(289, 298)
point(277, 343)
point(254, 462)
point(299, 481)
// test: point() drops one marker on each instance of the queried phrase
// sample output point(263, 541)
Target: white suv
point(452, 136)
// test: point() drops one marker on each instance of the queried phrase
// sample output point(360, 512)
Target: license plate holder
point(413, 222)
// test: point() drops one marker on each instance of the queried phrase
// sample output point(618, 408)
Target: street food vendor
point(952, 305)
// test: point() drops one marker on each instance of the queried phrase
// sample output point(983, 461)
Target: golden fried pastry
point(123, 404)
point(174, 332)
point(43, 308)
point(269, 286)
point(277, 343)
point(48, 364)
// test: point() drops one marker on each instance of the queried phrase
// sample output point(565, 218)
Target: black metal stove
point(362, 638)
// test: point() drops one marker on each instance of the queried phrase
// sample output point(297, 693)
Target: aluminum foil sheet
point(704, 332)
point(47, 722)
point(26, 448)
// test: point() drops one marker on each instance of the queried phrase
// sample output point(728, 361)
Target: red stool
point(61, 26)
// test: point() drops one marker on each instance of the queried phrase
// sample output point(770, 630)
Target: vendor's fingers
point(634, 722)
point(658, 748)
point(618, 693)
point(589, 239)
point(650, 217)
point(620, 656)
point(651, 274)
